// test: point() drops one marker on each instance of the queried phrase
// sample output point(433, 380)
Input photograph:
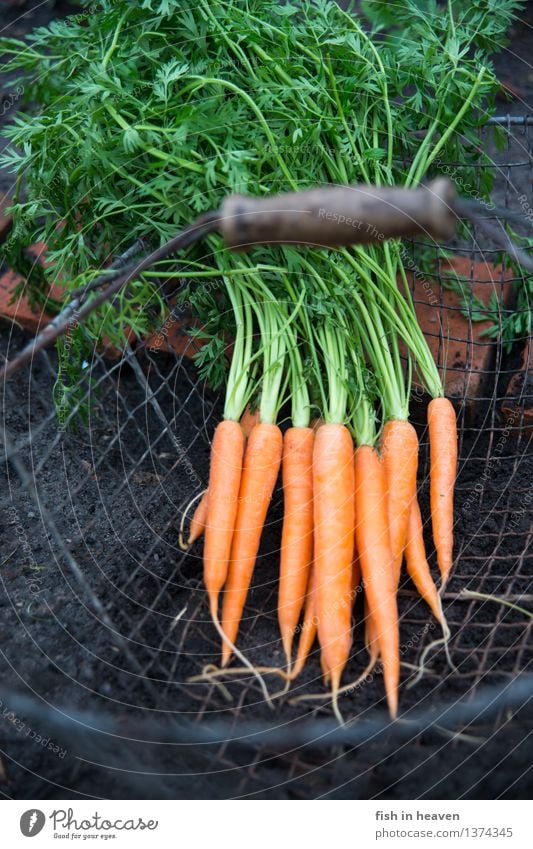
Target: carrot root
point(262, 460)
point(243, 659)
point(297, 534)
point(442, 425)
point(333, 502)
point(192, 538)
point(375, 556)
point(399, 452)
point(222, 503)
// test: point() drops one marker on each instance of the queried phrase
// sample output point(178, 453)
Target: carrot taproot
point(443, 470)
point(308, 628)
point(356, 574)
point(199, 518)
point(262, 459)
point(375, 555)
point(371, 636)
point(222, 503)
point(417, 565)
point(399, 453)
point(333, 501)
point(297, 533)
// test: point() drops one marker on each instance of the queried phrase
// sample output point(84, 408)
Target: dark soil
point(103, 620)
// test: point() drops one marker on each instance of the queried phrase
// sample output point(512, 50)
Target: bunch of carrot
point(351, 514)
point(321, 332)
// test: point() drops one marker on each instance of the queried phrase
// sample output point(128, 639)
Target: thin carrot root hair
point(208, 676)
point(212, 673)
point(185, 545)
point(243, 659)
point(346, 688)
point(441, 641)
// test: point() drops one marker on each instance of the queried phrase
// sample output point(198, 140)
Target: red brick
point(465, 358)
point(174, 337)
point(19, 311)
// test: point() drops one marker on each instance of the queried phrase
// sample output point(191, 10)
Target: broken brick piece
point(175, 338)
point(19, 311)
point(466, 358)
point(6, 221)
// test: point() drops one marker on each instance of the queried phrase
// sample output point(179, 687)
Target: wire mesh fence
point(104, 617)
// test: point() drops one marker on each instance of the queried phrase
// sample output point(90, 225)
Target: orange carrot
point(198, 520)
point(373, 545)
point(308, 629)
point(297, 534)
point(356, 574)
point(443, 469)
point(222, 502)
point(262, 460)
point(399, 452)
point(417, 565)
point(248, 421)
point(371, 636)
point(333, 488)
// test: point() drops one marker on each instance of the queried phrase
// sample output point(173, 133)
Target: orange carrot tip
point(198, 517)
point(197, 526)
point(419, 572)
point(442, 427)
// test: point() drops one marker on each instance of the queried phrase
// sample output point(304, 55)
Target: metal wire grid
point(110, 497)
